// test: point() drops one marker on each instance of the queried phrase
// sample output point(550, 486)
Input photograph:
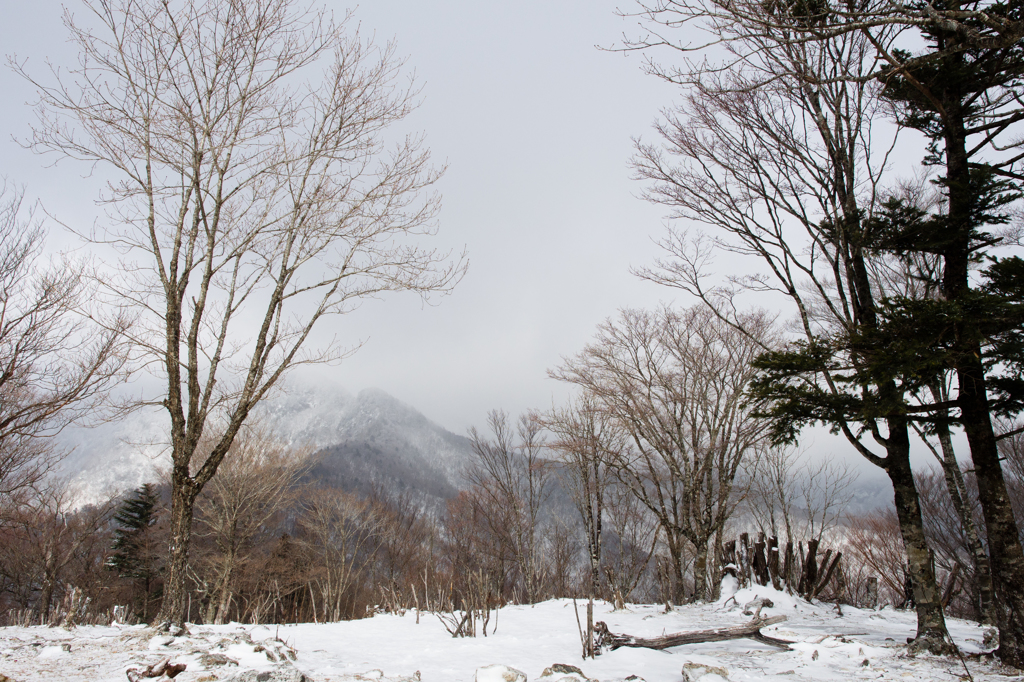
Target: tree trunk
point(931, 624)
point(773, 562)
point(700, 572)
point(49, 583)
point(958, 494)
point(172, 610)
point(1001, 526)
point(224, 592)
point(675, 548)
point(1004, 542)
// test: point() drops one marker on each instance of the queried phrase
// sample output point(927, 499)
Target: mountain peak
point(394, 442)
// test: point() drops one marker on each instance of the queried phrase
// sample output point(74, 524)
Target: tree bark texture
point(931, 624)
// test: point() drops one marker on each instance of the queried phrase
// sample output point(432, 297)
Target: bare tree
point(46, 537)
point(773, 493)
point(339, 532)
point(54, 363)
point(511, 481)
point(471, 547)
point(583, 437)
point(874, 541)
point(675, 382)
point(254, 482)
point(406, 545)
point(826, 494)
point(251, 192)
point(632, 538)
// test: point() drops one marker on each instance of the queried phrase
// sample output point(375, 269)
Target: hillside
point(370, 438)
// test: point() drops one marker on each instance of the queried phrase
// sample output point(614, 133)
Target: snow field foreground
point(859, 645)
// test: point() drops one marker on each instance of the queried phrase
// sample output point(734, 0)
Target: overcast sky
point(535, 125)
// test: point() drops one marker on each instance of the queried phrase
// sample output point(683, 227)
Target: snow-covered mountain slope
point(369, 438)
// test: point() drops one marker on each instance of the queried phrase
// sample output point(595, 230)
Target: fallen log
point(750, 630)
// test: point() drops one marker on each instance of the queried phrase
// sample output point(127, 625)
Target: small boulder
point(499, 673)
point(212, 660)
point(692, 672)
point(561, 669)
point(562, 672)
point(287, 674)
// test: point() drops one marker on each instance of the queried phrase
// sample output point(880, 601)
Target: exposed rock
point(212, 660)
point(692, 672)
point(562, 668)
point(561, 672)
point(163, 669)
point(287, 674)
point(499, 673)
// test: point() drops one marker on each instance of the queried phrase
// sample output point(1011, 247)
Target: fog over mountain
point(362, 440)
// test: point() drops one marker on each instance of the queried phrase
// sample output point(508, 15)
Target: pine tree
point(132, 555)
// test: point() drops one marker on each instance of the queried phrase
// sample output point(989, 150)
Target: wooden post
point(744, 559)
point(759, 565)
point(773, 562)
point(787, 569)
point(729, 553)
point(810, 575)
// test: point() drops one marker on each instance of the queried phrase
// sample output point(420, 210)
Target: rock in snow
point(287, 674)
point(561, 672)
point(699, 672)
point(499, 673)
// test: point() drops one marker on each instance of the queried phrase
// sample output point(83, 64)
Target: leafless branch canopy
point(675, 381)
point(251, 192)
point(54, 363)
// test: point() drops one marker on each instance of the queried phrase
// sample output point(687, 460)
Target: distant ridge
point(363, 440)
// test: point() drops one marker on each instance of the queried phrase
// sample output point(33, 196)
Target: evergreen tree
point(965, 97)
point(133, 554)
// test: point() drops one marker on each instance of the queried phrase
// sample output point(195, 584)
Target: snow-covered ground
point(858, 645)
